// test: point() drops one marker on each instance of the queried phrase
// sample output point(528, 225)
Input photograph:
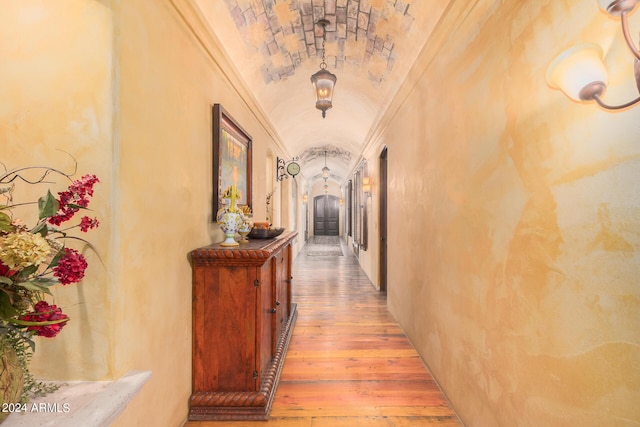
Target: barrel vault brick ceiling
point(276, 46)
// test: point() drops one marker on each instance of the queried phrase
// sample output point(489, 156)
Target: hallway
point(348, 364)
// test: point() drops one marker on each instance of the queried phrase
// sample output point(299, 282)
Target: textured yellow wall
point(514, 220)
point(127, 88)
point(171, 72)
point(56, 94)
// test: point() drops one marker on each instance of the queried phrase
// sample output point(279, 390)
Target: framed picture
point(231, 159)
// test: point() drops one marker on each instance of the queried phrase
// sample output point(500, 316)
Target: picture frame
point(232, 159)
point(359, 207)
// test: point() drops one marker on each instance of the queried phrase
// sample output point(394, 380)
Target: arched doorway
point(326, 214)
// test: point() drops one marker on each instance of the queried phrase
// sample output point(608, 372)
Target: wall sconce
point(366, 185)
point(323, 81)
point(305, 198)
point(579, 71)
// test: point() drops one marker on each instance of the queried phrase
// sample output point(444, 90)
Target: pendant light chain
point(323, 65)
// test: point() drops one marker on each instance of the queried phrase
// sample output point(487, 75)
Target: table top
point(255, 249)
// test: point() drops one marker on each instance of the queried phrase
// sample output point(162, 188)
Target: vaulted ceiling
point(370, 46)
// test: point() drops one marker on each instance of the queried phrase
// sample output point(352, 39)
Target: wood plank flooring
point(349, 364)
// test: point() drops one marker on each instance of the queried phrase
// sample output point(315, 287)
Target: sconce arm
point(596, 91)
point(615, 107)
point(627, 35)
point(280, 173)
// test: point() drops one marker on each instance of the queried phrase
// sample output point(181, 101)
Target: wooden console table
point(242, 322)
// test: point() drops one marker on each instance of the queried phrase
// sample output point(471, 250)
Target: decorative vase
point(244, 230)
point(230, 219)
point(11, 378)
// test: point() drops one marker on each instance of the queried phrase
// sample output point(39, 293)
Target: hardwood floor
point(349, 364)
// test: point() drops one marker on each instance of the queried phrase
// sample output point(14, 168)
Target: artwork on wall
point(231, 159)
point(349, 221)
point(359, 209)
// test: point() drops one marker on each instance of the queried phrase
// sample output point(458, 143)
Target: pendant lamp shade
point(323, 82)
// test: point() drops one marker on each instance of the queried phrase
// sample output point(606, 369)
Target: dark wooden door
point(383, 221)
point(326, 215)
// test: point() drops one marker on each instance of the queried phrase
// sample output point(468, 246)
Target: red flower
point(70, 268)
point(45, 313)
point(6, 271)
point(78, 194)
point(87, 223)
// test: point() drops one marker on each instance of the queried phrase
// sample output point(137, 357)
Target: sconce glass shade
point(323, 82)
point(579, 72)
point(366, 185)
point(617, 7)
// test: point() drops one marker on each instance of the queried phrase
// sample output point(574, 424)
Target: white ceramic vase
point(230, 220)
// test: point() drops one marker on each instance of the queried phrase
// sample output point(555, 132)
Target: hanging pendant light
point(323, 81)
point(325, 169)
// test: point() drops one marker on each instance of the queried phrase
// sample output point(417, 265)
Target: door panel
point(267, 345)
point(326, 215)
point(333, 214)
point(235, 325)
point(319, 222)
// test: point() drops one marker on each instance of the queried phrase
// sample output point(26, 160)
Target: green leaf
point(45, 281)
point(74, 206)
point(41, 229)
point(34, 286)
point(54, 230)
point(6, 280)
point(28, 271)
point(5, 222)
point(6, 309)
point(56, 259)
point(48, 205)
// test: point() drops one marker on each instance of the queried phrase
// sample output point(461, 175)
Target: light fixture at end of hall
point(325, 169)
point(323, 81)
point(579, 71)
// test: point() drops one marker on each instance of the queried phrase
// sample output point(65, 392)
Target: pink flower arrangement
point(32, 259)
